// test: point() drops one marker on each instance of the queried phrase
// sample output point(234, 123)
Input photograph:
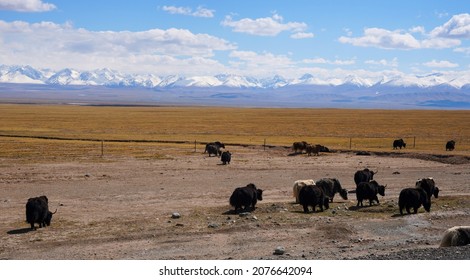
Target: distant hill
point(437, 90)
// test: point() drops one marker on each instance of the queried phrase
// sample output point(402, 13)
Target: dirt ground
point(121, 207)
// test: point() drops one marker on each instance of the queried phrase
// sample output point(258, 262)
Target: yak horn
point(54, 211)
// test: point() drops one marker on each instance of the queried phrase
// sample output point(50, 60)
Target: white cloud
point(440, 64)
point(463, 50)
point(457, 27)
point(330, 62)
point(417, 29)
point(383, 62)
point(260, 64)
point(382, 38)
point(268, 26)
point(62, 45)
point(386, 39)
point(302, 35)
point(199, 12)
point(26, 5)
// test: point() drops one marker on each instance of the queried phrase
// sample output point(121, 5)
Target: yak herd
point(308, 193)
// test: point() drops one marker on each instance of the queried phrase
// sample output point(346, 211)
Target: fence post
point(264, 145)
point(194, 145)
point(102, 148)
point(414, 141)
point(350, 143)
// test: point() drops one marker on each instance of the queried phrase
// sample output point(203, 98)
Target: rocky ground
point(121, 207)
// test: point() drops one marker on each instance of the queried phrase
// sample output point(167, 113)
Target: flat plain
point(115, 197)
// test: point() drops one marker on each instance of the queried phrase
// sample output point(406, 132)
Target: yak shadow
point(294, 154)
point(356, 208)
point(20, 231)
point(396, 215)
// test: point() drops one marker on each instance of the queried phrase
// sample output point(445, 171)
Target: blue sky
point(257, 38)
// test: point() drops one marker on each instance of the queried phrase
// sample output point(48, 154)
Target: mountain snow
point(108, 77)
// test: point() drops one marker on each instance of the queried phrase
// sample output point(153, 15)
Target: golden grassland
point(423, 130)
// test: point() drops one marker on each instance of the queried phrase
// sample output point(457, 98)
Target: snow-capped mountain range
point(112, 78)
point(110, 87)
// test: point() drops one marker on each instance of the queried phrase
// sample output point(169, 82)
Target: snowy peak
point(109, 77)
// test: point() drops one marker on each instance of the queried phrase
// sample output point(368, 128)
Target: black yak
point(331, 186)
point(456, 236)
point(312, 149)
point(214, 148)
point(364, 175)
point(299, 147)
point(450, 145)
point(37, 212)
point(369, 190)
point(413, 198)
point(312, 195)
point(300, 184)
point(399, 143)
point(245, 198)
point(226, 157)
point(429, 186)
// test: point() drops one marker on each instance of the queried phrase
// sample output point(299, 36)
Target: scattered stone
point(279, 250)
point(396, 172)
point(175, 215)
point(179, 225)
point(254, 218)
point(213, 225)
point(244, 214)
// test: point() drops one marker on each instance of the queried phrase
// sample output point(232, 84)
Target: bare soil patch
point(120, 207)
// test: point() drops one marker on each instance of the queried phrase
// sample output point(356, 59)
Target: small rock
point(213, 225)
point(175, 215)
point(244, 214)
point(179, 225)
point(254, 218)
point(279, 250)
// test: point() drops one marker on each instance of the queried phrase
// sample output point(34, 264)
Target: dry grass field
point(424, 131)
point(119, 206)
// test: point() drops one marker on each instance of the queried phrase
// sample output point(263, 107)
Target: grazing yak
point(312, 195)
point(245, 198)
point(429, 186)
point(300, 184)
point(369, 190)
point(313, 149)
point(456, 236)
point(399, 143)
point(413, 198)
point(226, 157)
point(331, 186)
point(37, 212)
point(364, 175)
point(450, 145)
point(299, 147)
point(214, 148)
